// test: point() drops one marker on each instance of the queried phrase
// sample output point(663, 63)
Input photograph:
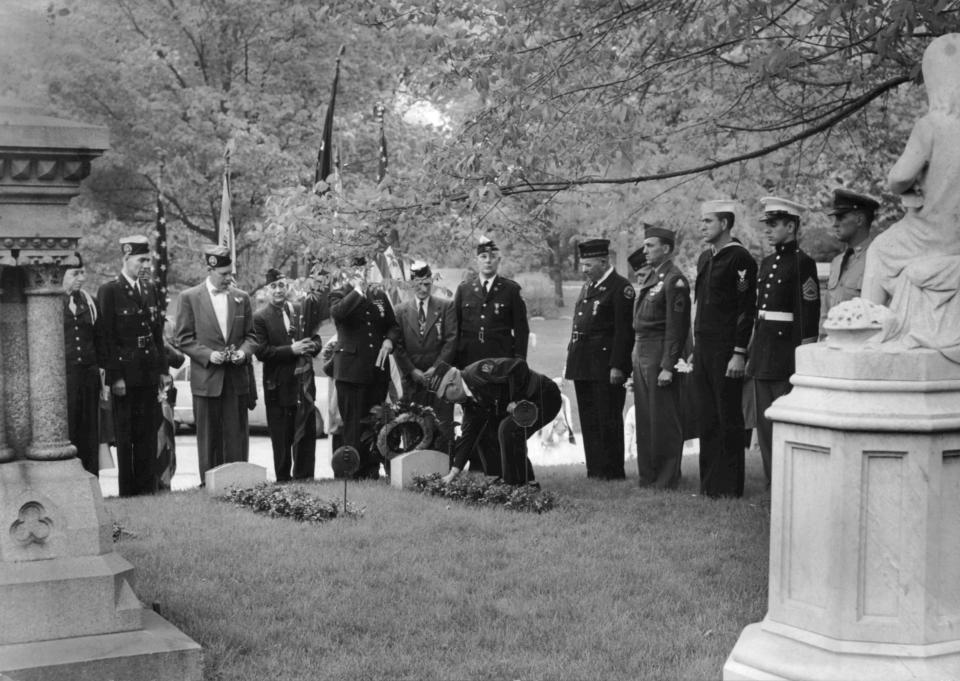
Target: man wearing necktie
point(135, 366)
point(281, 352)
point(491, 322)
point(215, 330)
point(428, 334)
point(853, 214)
point(82, 345)
point(598, 358)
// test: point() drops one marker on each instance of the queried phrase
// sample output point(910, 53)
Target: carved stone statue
point(914, 266)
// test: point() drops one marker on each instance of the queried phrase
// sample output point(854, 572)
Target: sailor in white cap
point(726, 292)
point(788, 313)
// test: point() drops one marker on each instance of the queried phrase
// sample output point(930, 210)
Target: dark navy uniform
point(494, 384)
point(363, 322)
point(81, 344)
point(661, 320)
point(726, 308)
point(490, 325)
point(788, 314)
point(602, 339)
point(133, 351)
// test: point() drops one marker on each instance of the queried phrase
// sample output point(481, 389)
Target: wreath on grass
point(281, 501)
point(479, 490)
point(399, 428)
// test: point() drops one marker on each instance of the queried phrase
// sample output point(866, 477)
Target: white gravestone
point(403, 468)
point(237, 474)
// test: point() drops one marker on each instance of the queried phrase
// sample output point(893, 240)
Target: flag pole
point(226, 235)
point(161, 253)
point(325, 154)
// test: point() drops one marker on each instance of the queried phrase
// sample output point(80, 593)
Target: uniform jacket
point(82, 340)
point(314, 309)
point(787, 284)
point(662, 311)
point(198, 335)
point(846, 277)
point(602, 336)
point(438, 342)
point(726, 295)
point(494, 325)
point(281, 385)
point(363, 322)
point(132, 333)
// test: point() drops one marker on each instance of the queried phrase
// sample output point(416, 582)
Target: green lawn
point(616, 583)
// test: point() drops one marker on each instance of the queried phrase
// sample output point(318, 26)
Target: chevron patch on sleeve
point(809, 290)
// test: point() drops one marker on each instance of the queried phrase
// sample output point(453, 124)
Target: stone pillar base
point(157, 651)
point(795, 654)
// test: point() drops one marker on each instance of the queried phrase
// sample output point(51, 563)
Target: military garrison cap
point(486, 245)
point(661, 233)
point(845, 200)
point(135, 245)
point(216, 256)
point(637, 259)
point(420, 270)
point(594, 248)
point(273, 274)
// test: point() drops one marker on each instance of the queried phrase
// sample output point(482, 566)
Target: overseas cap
point(637, 259)
point(594, 248)
point(718, 206)
point(846, 200)
point(661, 233)
point(450, 377)
point(135, 245)
point(216, 256)
point(486, 245)
point(774, 207)
point(420, 270)
point(273, 274)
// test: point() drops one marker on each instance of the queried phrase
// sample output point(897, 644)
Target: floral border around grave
point(281, 501)
point(481, 491)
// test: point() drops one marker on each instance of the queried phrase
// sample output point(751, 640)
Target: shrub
point(289, 502)
point(476, 489)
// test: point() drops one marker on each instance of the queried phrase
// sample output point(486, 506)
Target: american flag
point(325, 155)
point(382, 151)
point(161, 262)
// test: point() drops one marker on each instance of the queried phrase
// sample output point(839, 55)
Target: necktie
point(287, 318)
point(847, 254)
point(76, 301)
point(486, 286)
point(136, 292)
point(422, 318)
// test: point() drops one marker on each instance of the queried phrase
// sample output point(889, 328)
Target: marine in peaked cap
point(788, 313)
point(726, 295)
point(853, 214)
point(598, 358)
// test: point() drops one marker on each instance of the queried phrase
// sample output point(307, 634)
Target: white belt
point(771, 316)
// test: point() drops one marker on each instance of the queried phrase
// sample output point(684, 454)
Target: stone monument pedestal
point(865, 522)
point(69, 609)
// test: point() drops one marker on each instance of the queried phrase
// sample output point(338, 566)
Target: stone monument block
point(237, 474)
point(403, 468)
point(864, 578)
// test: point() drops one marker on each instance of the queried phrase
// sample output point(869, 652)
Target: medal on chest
point(379, 304)
point(656, 289)
point(497, 307)
point(596, 304)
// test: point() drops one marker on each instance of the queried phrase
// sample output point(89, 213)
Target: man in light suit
point(428, 335)
point(215, 330)
point(285, 360)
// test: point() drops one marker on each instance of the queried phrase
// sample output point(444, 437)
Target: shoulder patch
point(628, 292)
point(486, 367)
point(810, 290)
point(681, 283)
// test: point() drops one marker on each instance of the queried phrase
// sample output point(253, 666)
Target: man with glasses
point(215, 330)
point(428, 334)
point(276, 325)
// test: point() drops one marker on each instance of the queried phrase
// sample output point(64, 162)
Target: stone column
point(48, 382)
point(6, 453)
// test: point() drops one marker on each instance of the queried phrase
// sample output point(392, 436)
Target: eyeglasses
point(278, 285)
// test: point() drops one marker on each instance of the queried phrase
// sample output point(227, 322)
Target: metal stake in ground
point(345, 463)
point(525, 415)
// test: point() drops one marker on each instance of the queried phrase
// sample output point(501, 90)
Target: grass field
point(616, 583)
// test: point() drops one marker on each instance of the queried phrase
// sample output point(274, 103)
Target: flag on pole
point(382, 152)
point(162, 259)
point(225, 233)
point(325, 155)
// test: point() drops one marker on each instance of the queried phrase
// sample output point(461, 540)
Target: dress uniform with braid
point(788, 315)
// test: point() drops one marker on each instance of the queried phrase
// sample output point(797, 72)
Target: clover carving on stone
point(32, 525)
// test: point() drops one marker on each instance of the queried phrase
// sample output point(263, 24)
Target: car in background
point(257, 419)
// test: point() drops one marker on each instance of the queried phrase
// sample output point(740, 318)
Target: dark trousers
point(721, 420)
point(658, 415)
point(765, 393)
point(136, 418)
point(222, 432)
point(291, 462)
point(600, 406)
point(83, 415)
point(355, 401)
point(515, 466)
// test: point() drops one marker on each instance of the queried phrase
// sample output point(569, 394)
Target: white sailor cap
point(775, 207)
point(718, 206)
